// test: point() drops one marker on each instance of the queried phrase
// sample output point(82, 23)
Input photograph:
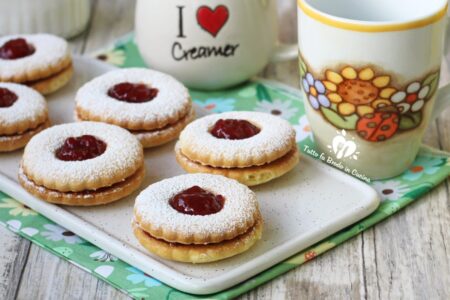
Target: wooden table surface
point(406, 256)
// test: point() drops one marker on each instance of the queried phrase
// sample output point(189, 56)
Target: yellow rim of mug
point(369, 27)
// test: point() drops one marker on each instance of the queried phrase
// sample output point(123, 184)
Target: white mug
point(370, 72)
point(209, 44)
point(66, 18)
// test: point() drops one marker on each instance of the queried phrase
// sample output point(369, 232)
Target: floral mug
point(209, 44)
point(370, 73)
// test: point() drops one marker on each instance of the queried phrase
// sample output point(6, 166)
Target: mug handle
point(443, 94)
point(285, 52)
point(442, 101)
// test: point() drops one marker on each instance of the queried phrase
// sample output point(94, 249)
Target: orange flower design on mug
point(366, 101)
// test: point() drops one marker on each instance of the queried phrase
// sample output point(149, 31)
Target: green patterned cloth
point(430, 168)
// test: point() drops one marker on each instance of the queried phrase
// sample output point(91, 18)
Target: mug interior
point(387, 11)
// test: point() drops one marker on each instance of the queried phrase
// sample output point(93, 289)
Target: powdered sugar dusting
point(29, 106)
point(172, 98)
point(122, 153)
point(275, 134)
point(240, 205)
point(50, 50)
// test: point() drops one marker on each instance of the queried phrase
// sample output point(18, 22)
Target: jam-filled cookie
point(250, 147)
point(197, 218)
point(153, 106)
point(83, 164)
point(23, 113)
point(41, 61)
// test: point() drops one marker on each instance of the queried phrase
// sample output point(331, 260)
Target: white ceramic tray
point(301, 208)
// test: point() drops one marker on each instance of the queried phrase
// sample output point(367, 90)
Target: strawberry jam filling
point(234, 129)
point(197, 201)
point(80, 148)
point(15, 49)
point(132, 92)
point(7, 98)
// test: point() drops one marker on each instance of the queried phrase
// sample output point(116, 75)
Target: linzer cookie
point(41, 61)
point(23, 113)
point(250, 147)
point(153, 106)
point(197, 218)
point(83, 164)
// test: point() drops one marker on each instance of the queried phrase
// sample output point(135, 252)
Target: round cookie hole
point(234, 129)
point(80, 148)
point(197, 201)
point(7, 97)
point(16, 48)
point(132, 92)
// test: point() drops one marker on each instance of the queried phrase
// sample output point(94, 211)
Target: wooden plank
point(408, 254)
point(48, 277)
point(287, 16)
point(112, 20)
point(13, 257)
point(334, 275)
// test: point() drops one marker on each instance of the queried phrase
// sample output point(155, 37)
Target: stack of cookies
point(250, 147)
point(153, 106)
point(82, 164)
point(40, 61)
point(23, 113)
point(197, 218)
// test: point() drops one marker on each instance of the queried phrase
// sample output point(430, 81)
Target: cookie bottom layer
point(13, 142)
point(164, 135)
point(52, 83)
point(249, 176)
point(158, 137)
point(199, 253)
point(87, 198)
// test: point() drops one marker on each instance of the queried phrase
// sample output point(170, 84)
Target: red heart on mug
point(212, 20)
